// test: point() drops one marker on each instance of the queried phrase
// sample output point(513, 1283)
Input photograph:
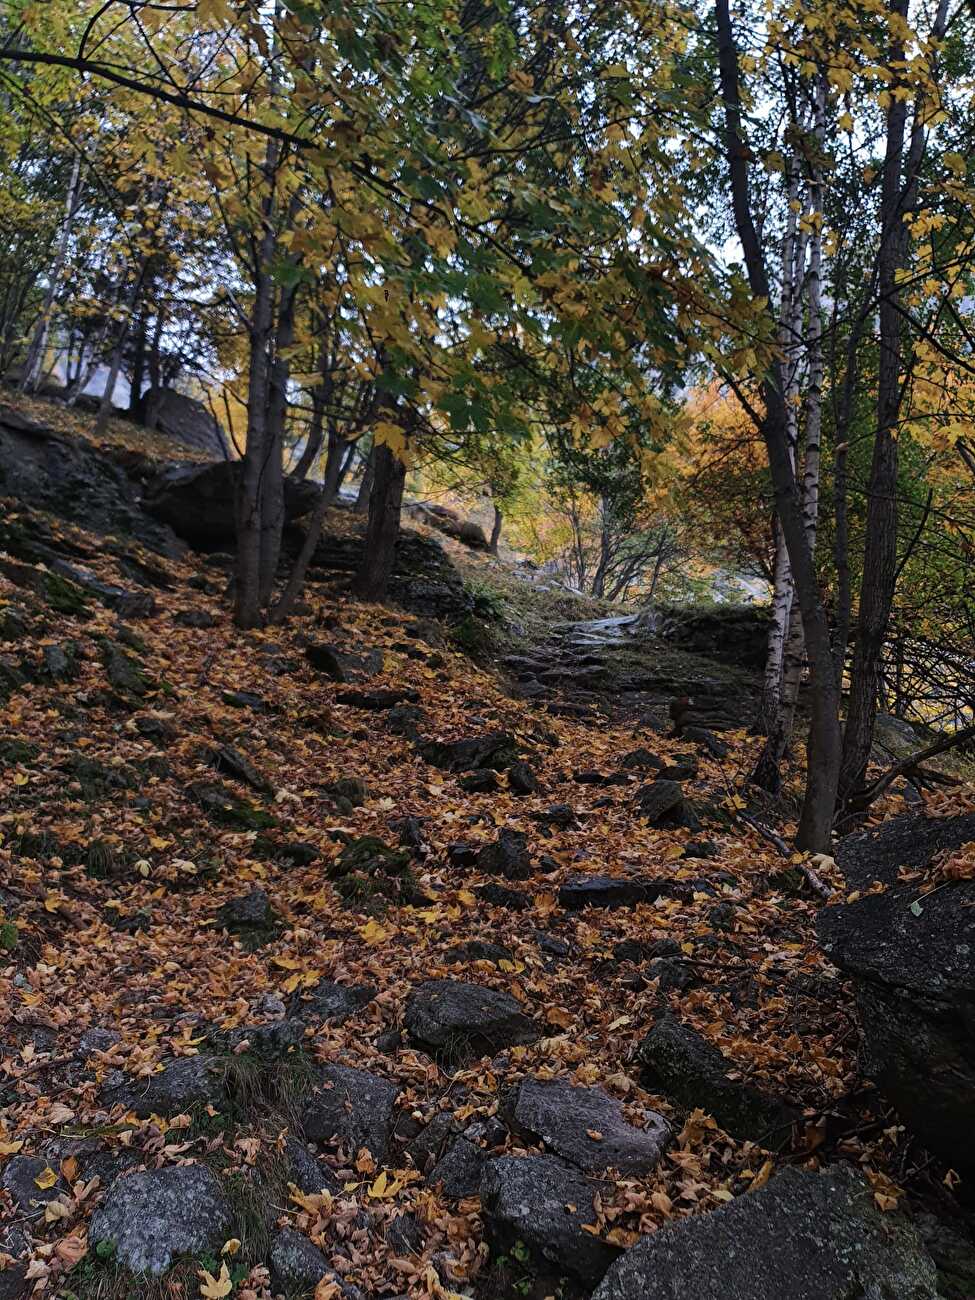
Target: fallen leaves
point(215, 1288)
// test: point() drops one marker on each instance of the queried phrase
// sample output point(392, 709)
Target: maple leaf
point(215, 1288)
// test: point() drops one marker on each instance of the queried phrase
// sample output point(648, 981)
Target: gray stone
point(185, 1082)
point(507, 857)
point(352, 1107)
point(804, 1236)
point(97, 1040)
point(543, 1203)
point(185, 420)
point(251, 911)
point(197, 501)
point(496, 749)
point(678, 1061)
point(308, 1174)
point(297, 1262)
point(455, 1018)
point(334, 1003)
point(19, 1179)
point(459, 1169)
point(563, 1118)
point(151, 1218)
point(912, 958)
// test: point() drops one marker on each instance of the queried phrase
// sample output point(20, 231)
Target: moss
point(17, 751)
point(477, 638)
point(65, 597)
point(371, 874)
point(9, 934)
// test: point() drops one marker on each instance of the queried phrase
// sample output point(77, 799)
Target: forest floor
point(122, 875)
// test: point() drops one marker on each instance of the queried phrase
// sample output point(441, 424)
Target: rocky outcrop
point(912, 958)
point(70, 478)
point(149, 1219)
point(680, 1063)
point(818, 1236)
point(457, 1019)
point(352, 1107)
point(586, 1127)
point(543, 1205)
point(186, 421)
point(197, 502)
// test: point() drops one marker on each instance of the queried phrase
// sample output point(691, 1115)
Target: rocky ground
point(337, 962)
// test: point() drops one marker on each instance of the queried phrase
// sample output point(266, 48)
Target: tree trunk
point(782, 592)
point(364, 495)
point(105, 407)
point(496, 530)
point(272, 495)
point(382, 532)
point(34, 365)
point(138, 370)
point(823, 751)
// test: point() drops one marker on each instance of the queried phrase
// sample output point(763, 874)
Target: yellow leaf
point(378, 1189)
point(231, 1247)
point(762, 1177)
point(214, 1288)
point(373, 933)
point(466, 897)
point(46, 1178)
point(21, 778)
point(9, 1148)
point(52, 903)
point(69, 1169)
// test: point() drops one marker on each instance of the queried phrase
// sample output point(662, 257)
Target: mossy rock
point(222, 806)
point(476, 637)
point(370, 874)
point(17, 751)
point(99, 779)
point(64, 596)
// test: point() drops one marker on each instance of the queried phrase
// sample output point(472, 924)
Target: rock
point(127, 604)
point(501, 896)
point(590, 777)
point(507, 857)
point(952, 1248)
point(61, 661)
point(73, 480)
point(672, 976)
point(684, 768)
point(404, 1236)
point(601, 891)
point(223, 806)
point(353, 789)
point(97, 1040)
point(461, 854)
point(378, 701)
point(543, 1203)
point(297, 1262)
point(246, 700)
point(428, 1145)
point(406, 720)
point(20, 1176)
point(560, 815)
point(483, 780)
point(185, 420)
point(459, 1170)
point(911, 958)
point(814, 1236)
point(156, 729)
point(496, 749)
point(198, 501)
point(352, 1107)
point(640, 759)
point(722, 916)
point(479, 950)
point(198, 618)
point(368, 871)
point(231, 762)
point(563, 1118)
point(272, 1041)
point(457, 1019)
point(324, 659)
point(334, 1003)
point(125, 674)
point(707, 739)
point(183, 1083)
point(700, 849)
point(522, 780)
point(309, 1175)
point(249, 912)
point(152, 1218)
point(679, 1062)
point(661, 802)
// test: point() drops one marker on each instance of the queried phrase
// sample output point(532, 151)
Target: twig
point(812, 878)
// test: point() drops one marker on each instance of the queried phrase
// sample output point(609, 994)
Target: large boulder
point(197, 501)
point(912, 958)
point(185, 420)
point(457, 1019)
point(586, 1127)
point(682, 1064)
point(69, 478)
point(181, 1085)
point(805, 1236)
point(150, 1219)
point(543, 1205)
point(352, 1107)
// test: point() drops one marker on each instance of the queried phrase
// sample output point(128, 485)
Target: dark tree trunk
point(382, 532)
point(365, 487)
point(496, 530)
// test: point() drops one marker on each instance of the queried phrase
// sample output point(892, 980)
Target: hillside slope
point(231, 866)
